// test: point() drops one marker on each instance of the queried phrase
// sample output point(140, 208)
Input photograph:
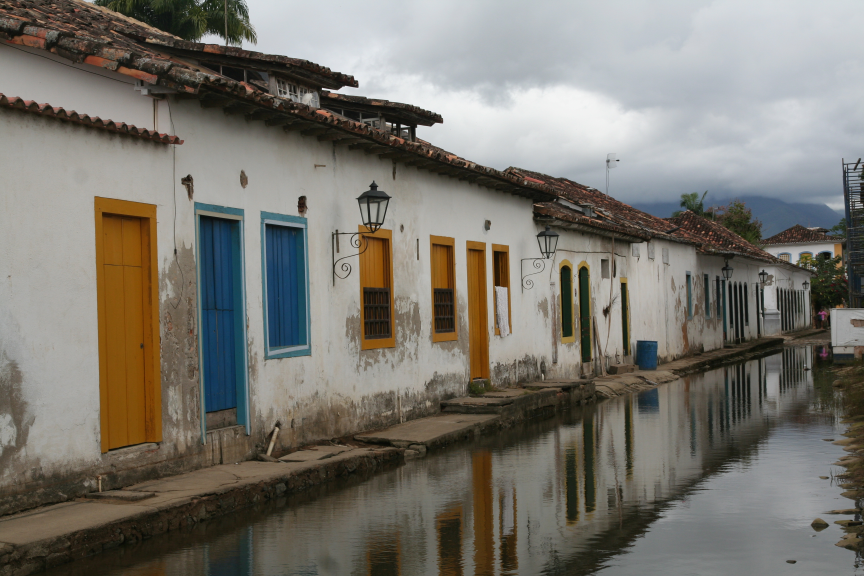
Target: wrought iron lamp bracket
point(537, 263)
point(355, 241)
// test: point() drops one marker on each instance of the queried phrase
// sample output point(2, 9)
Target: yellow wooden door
point(478, 331)
point(125, 270)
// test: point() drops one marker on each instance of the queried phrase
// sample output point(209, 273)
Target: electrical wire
point(174, 185)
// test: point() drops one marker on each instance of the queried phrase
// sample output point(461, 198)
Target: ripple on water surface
point(717, 473)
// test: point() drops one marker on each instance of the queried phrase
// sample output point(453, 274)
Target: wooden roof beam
point(278, 121)
point(314, 131)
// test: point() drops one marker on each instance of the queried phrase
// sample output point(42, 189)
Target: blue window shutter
point(286, 286)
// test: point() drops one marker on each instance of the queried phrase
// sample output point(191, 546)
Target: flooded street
point(716, 473)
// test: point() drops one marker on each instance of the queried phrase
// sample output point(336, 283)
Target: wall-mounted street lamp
point(727, 271)
point(373, 209)
point(548, 242)
point(806, 284)
point(763, 277)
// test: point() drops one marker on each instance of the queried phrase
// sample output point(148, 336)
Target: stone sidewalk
point(50, 536)
point(53, 535)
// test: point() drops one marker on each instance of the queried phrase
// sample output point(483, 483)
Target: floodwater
point(717, 473)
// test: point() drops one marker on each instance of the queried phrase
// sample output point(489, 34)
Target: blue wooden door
point(220, 302)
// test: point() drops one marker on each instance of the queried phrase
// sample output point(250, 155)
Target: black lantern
point(373, 207)
point(548, 241)
point(763, 276)
point(806, 284)
point(727, 271)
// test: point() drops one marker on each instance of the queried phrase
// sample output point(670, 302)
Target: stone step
point(432, 431)
point(121, 495)
point(622, 368)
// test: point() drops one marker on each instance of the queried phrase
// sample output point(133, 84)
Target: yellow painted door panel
point(124, 324)
point(478, 331)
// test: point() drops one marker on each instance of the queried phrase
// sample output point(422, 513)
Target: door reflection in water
point(526, 501)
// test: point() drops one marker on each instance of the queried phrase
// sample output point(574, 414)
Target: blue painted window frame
point(274, 219)
point(237, 214)
point(706, 280)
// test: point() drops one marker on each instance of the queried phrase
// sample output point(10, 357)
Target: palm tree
point(191, 19)
point(693, 203)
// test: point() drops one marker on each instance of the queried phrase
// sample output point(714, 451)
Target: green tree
point(693, 203)
point(190, 19)
point(839, 229)
point(739, 219)
point(829, 287)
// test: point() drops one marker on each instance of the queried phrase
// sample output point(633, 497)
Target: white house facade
point(183, 276)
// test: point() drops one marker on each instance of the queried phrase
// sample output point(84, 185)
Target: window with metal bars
point(445, 319)
point(376, 313)
point(442, 268)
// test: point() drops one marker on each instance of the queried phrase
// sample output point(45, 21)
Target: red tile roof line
point(83, 32)
point(611, 213)
point(79, 32)
point(92, 121)
point(715, 238)
point(548, 210)
point(798, 234)
point(427, 116)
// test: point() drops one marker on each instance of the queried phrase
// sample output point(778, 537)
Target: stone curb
point(51, 552)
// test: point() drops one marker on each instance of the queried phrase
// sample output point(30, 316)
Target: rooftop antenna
point(611, 162)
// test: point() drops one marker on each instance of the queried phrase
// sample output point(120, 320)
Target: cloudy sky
point(735, 97)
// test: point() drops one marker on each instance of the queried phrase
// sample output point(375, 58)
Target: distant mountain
point(776, 215)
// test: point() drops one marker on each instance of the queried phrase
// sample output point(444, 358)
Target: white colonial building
point(799, 243)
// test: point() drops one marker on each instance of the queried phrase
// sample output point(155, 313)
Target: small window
point(443, 289)
point(707, 284)
point(604, 268)
point(501, 282)
point(651, 251)
point(785, 256)
point(689, 296)
point(665, 256)
point(567, 332)
point(286, 309)
point(283, 88)
point(376, 290)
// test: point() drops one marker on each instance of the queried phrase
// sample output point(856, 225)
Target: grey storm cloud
point(731, 96)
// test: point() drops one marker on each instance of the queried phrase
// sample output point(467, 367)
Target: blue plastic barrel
point(646, 354)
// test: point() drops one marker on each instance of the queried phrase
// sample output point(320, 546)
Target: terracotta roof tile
point(84, 33)
point(76, 29)
point(716, 239)
point(91, 121)
point(799, 234)
point(408, 111)
point(611, 214)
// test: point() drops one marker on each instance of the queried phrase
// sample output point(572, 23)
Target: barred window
point(376, 290)
point(443, 270)
point(445, 320)
point(376, 313)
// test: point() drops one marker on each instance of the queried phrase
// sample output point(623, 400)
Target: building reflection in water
point(448, 526)
point(545, 477)
point(484, 538)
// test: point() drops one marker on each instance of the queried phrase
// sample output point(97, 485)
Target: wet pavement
point(716, 473)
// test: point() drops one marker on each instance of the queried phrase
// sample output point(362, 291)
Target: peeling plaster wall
point(49, 357)
point(339, 388)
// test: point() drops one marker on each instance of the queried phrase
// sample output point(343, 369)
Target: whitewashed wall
point(48, 324)
point(795, 250)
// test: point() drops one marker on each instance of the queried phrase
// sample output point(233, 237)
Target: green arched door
point(584, 314)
